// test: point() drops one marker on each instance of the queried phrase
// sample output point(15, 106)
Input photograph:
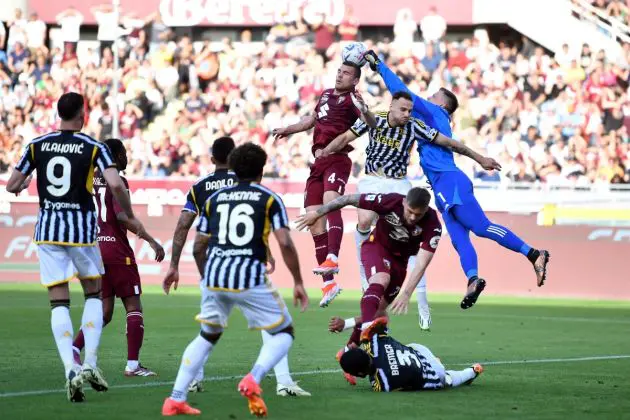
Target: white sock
point(359, 238)
point(421, 293)
point(281, 369)
point(273, 350)
point(92, 326)
point(62, 331)
point(458, 377)
point(197, 351)
point(200, 374)
point(332, 257)
point(132, 364)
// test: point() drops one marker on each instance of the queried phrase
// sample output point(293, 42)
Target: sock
point(370, 302)
point(335, 232)
point(421, 293)
point(359, 238)
point(460, 377)
point(79, 342)
point(356, 335)
point(321, 251)
point(273, 350)
point(281, 369)
point(92, 327)
point(62, 332)
point(200, 373)
point(532, 255)
point(460, 238)
point(197, 351)
point(135, 335)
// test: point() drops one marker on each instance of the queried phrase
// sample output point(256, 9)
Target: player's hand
point(400, 306)
point(306, 220)
point(171, 279)
point(159, 251)
point(336, 324)
point(358, 101)
point(279, 133)
point(271, 264)
point(300, 296)
point(490, 164)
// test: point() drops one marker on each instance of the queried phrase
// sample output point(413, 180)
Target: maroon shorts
point(376, 259)
point(121, 280)
point(327, 174)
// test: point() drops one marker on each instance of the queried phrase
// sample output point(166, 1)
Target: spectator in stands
point(35, 33)
point(324, 35)
point(349, 26)
point(3, 36)
point(17, 30)
point(70, 21)
point(433, 27)
point(108, 28)
point(405, 29)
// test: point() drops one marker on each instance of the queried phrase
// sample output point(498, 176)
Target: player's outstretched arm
point(200, 248)
point(290, 257)
point(460, 148)
point(337, 144)
point(309, 218)
point(184, 223)
point(401, 304)
point(306, 123)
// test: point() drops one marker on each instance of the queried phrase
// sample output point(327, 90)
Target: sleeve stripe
point(276, 222)
point(355, 132)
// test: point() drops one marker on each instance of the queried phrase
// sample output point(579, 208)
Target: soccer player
point(393, 366)
point(121, 276)
point(406, 226)
point(336, 112)
point(65, 233)
point(230, 250)
point(453, 190)
point(222, 177)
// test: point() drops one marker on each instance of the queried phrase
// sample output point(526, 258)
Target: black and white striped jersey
point(238, 221)
point(65, 163)
point(389, 148)
point(205, 187)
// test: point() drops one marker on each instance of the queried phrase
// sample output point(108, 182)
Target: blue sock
point(460, 238)
point(471, 216)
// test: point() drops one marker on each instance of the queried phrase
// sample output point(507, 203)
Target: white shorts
point(262, 306)
point(376, 184)
point(433, 370)
point(59, 264)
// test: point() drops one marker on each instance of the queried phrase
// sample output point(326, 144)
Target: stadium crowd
point(559, 119)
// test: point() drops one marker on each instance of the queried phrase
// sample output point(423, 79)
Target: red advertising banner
point(586, 261)
point(264, 12)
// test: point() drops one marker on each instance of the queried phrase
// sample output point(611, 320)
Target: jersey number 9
point(60, 185)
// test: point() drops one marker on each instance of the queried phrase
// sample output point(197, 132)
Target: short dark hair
point(248, 161)
point(357, 69)
point(355, 361)
point(418, 198)
point(117, 148)
point(451, 100)
point(402, 94)
point(69, 105)
point(221, 149)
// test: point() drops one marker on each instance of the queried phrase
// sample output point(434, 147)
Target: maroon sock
point(356, 335)
point(370, 301)
point(321, 250)
point(79, 341)
point(135, 335)
point(335, 232)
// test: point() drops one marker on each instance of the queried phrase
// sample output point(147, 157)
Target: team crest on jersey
point(341, 99)
point(416, 231)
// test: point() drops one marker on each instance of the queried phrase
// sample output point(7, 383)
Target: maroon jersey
point(112, 236)
point(393, 233)
point(334, 115)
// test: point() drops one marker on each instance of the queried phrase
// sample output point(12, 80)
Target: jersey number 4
point(231, 220)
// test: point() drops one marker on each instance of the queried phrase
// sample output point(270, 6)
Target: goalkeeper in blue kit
point(454, 196)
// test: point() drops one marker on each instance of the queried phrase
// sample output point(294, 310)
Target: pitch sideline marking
point(327, 371)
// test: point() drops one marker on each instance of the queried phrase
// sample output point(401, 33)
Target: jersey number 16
point(229, 223)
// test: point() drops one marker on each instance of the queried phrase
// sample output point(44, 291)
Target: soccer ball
point(353, 53)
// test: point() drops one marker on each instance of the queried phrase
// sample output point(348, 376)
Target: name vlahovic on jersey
point(65, 162)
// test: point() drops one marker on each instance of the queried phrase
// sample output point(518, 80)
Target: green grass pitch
point(544, 359)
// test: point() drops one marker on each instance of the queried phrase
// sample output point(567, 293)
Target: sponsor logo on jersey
point(222, 253)
point(106, 239)
point(50, 205)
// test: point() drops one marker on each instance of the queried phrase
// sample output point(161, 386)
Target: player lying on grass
point(453, 190)
point(121, 278)
point(231, 253)
point(392, 366)
point(336, 111)
point(201, 190)
point(406, 227)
